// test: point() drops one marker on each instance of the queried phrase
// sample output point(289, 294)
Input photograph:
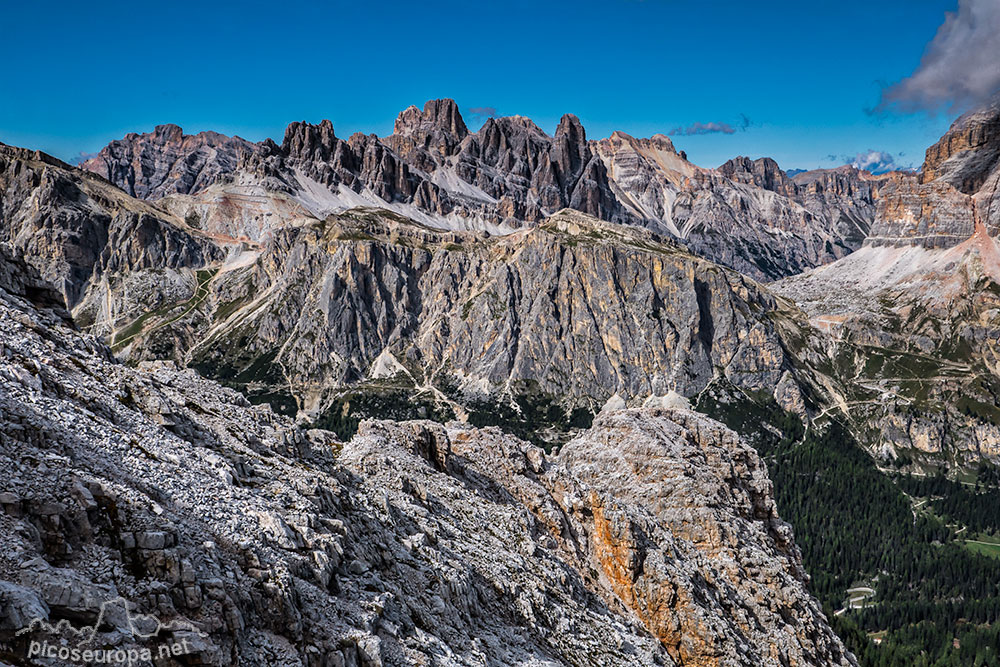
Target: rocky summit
point(651, 538)
point(167, 161)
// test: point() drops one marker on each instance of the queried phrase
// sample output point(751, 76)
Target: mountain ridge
point(507, 174)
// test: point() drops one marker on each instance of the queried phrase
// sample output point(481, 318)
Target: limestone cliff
point(960, 177)
point(574, 311)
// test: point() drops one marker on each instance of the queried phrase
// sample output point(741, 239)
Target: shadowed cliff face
point(509, 174)
point(77, 229)
point(261, 542)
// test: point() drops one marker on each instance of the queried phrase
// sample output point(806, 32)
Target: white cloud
point(960, 67)
point(703, 128)
point(876, 162)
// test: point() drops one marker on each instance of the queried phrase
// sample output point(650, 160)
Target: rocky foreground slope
point(651, 538)
point(509, 174)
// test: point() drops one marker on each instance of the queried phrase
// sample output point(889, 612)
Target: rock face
point(635, 553)
point(931, 215)
point(763, 173)
point(957, 186)
point(574, 311)
point(967, 155)
point(508, 175)
point(167, 161)
point(150, 493)
point(845, 197)
point(21, 280)
point(424, 138)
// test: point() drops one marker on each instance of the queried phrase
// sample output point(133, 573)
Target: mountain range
point(454, 397)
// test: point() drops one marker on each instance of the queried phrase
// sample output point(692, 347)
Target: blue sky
point(80, 74)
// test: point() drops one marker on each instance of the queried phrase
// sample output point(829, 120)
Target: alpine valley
point(501, 397)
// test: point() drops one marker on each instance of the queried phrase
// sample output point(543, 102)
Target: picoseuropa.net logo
point(149, 638)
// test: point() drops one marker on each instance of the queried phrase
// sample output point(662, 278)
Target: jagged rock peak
point(619, 135)
point(660, 142)
point(167, 132)
point(763, 172)
point(442, 115)
point(422, 138)
point(938, 208)
point(304, 139)
point(515, 122)
point(570, 150)
point(510, 173)
point(571, 128)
